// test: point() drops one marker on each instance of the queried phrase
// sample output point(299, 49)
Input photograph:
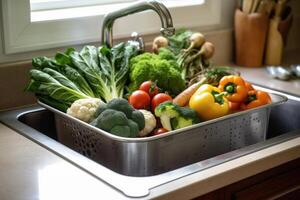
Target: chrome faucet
point(164, 14)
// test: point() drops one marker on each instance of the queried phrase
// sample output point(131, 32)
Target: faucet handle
point(137, 41)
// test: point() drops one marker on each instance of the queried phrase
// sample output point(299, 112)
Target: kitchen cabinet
point(282, 182)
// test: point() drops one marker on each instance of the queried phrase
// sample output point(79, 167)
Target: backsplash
point(13, 79)
point(14, 76)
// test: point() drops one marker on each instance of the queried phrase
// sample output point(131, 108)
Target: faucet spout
point(163, 13)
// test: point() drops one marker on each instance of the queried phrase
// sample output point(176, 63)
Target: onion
point(208, 50)
point(197, 40)
point(159, 42)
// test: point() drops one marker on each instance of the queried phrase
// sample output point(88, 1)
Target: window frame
point(23, 35)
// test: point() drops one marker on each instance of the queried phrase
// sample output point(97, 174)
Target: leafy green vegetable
point(61, 78)
point(105, 69)
point(179, 41)
point(44, 84)
point(93, 72)
point(87, 63)
point(213, 75)
point(115, 64)
point(65, 69)
point(62, 106)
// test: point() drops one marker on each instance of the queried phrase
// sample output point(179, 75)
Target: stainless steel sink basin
point(38, 125)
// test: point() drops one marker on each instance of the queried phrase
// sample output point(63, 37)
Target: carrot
point(210, 76)
point(183, 98)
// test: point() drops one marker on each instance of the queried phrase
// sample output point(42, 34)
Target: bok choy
point(105, 69)
point(92, 72)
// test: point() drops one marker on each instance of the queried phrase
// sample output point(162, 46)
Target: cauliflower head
point(150, 123)
point(85, 109)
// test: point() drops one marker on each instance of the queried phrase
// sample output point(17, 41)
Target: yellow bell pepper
point(209, 102)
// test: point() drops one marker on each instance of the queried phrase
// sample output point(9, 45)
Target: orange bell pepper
point(235, 88)
point(256, 98)
point(249, 86)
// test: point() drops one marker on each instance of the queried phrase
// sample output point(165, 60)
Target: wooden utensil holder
point(277, 36)
point(250, 38)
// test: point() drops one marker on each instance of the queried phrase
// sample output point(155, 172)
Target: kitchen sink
point(38, 124)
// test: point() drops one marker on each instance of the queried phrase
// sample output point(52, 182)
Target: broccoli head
point(104, 120)
point(121, 105)
point(138, 118)
point(174, 117)
point(162, 69)
point(166, 54)
point(119, 118)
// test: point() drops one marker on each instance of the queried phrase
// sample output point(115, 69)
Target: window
point(59, 4)
point(39, 24)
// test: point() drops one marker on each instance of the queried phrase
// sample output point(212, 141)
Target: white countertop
point(29, 171)
point(260, 77)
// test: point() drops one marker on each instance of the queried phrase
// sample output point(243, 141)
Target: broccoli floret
point(134, 128)
point(120, 118)
point(166, 111)
point(189, 113)
point(153, 67)
point(105, 119)
point(121, 105)
point(173, 117)
point(173, 80)
point(138, 118)
point(180, 122)
point(166, 54)
point(144, 56)
point(99, 110)
point(123, 131)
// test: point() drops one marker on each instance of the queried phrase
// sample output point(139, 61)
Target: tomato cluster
point(148, 97)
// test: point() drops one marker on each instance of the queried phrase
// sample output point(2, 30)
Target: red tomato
point(149, 87)
point(139, 99)
point(234, 106)
point(159, 131)
point(158, 99)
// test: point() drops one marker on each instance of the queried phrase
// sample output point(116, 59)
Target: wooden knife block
point(250, 38)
